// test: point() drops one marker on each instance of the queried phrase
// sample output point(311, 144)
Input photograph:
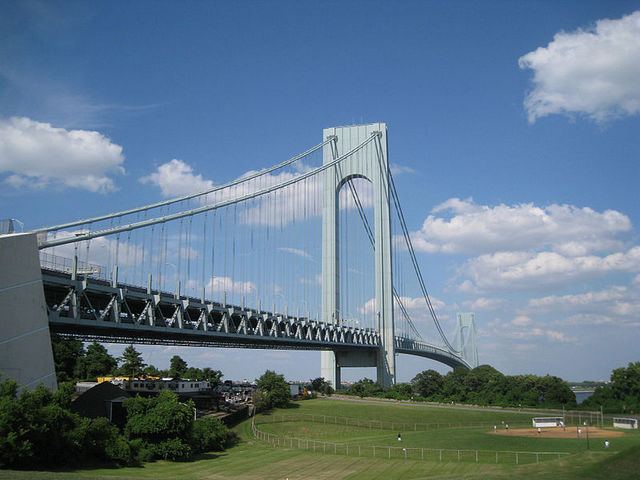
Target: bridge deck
point(94, 310)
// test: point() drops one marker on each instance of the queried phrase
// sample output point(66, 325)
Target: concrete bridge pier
point(25, 343)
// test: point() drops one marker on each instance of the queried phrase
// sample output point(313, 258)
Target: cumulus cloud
point(522, 328)
point(462, 226)
point(484, 303)
point(226, 284)
point(591, 71)
point(506, 271)
point(297, 201)
point(37, 155)
point(617, 304)
point(176, 178)
point(581, 301)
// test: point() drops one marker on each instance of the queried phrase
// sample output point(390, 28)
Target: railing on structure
point(421, 348)
point(57, 263)
point(406, 453)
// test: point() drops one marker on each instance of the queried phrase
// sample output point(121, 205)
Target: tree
point(214, 377)
point(322, 386)
point(209, 434)
point(67, 353)
point(273, 391)
point(97, 362)
point(177, 367)
point(622, 395)
point(162, 424)
point(427, 384)
point(152, 371)
point(132, 363)
point(365, 388)
point(453, 388)
point(38, 430)
point(555, 392)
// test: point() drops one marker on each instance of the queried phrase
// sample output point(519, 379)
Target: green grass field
point(255, 459)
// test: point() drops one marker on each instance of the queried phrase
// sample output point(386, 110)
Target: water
point(582, 396)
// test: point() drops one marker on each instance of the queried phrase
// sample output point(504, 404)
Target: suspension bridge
point(312, 254)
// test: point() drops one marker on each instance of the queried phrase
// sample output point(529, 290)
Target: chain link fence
point(376, 424)
point(388, 452)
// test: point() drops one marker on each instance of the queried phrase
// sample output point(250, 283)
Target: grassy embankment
point(252, 459)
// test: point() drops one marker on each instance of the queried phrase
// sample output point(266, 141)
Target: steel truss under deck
point(90, 309)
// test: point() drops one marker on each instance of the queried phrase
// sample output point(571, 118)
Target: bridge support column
point(25, 342)
point(371, 163)
point(329, 368)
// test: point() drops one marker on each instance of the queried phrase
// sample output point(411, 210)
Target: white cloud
point(617, 304)
point(296, 202)
point(226, 284)
point(400, 169)
point(296, 251)
point(37, 155)
point(484, 303)
point(521, 321)
point(465, 227)
point(176, 178)
point(522, 328)
point(529, 270)
point(581, 301)
point(591, 71)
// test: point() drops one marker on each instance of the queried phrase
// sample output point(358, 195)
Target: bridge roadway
point(91, 309)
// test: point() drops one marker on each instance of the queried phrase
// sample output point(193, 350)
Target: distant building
point(177, 385)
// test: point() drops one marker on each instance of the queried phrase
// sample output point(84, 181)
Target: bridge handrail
point(44, 243)
point(185, 197)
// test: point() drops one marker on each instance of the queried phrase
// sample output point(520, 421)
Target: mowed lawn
point(333, 413)
point(254, 459)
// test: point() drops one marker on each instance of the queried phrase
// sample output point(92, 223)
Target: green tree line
point(74, 362)
point(37, 430)
point(483, 385)
point(621, 395)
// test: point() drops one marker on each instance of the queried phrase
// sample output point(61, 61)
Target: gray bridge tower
point(466, 337)
point(370, 163)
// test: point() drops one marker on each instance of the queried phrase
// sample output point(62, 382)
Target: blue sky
point(515, 123)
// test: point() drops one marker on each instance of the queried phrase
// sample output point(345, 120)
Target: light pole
point(579, 435)
point(586, 424)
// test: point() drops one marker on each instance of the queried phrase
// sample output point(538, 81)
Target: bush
point(171, 449)
point(209, 434)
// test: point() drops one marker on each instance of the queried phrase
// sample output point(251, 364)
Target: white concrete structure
point(25, 343)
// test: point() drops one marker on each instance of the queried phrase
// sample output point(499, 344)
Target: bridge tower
point(371, 163)
point(466, 337)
